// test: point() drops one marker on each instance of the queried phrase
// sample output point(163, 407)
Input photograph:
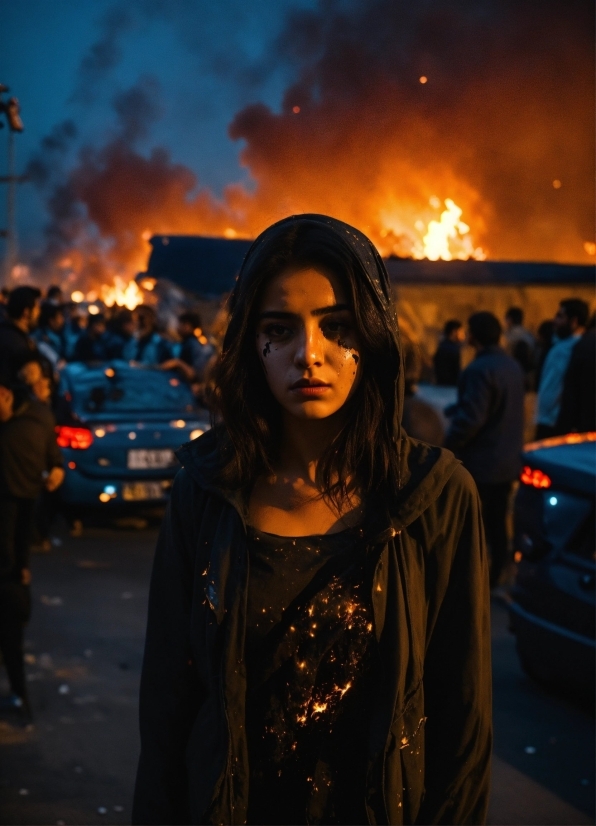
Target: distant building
point(427, 293)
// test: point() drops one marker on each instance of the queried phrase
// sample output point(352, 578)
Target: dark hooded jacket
point(430, 733)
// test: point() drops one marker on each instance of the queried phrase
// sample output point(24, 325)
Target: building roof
point(209, 266)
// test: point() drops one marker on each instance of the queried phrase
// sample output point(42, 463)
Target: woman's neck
point(303, 443)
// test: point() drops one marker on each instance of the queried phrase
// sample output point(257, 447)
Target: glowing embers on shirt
point(314, 658)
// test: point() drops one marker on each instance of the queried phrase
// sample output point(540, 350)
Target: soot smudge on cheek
point(266, 349)
point(356, 357)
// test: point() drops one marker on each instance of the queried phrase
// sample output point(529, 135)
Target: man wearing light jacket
point(569, 322)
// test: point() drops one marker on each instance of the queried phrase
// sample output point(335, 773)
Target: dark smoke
point(104, 54)
point(508, 108)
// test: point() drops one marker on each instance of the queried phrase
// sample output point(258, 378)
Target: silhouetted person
point(195, 350)
point(49, 333)
point(54, 295)
point(152, 348)
point(122, 343)
point(578, 400)
point(520, 343)
point(544, 341)
point(93, 343)
point(22, 312)
point(486, 431)
point(447, 359)
point(74, 328)
point(29, 460)
point(569, 324)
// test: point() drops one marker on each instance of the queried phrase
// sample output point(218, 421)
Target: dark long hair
point(364, 452)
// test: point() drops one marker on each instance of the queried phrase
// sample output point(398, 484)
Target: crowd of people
point(39, 335)
point(486, 424)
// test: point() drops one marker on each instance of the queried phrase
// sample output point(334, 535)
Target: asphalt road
point(84, 643)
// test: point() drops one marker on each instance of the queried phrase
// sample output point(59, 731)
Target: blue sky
point(207, 60)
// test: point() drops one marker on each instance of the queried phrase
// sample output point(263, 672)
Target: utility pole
point(11, 110)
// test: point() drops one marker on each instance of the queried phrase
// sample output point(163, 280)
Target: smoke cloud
point(393, 107)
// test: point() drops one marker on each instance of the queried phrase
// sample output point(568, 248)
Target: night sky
point(67, 60)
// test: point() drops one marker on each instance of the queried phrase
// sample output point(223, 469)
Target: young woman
point(318, 638)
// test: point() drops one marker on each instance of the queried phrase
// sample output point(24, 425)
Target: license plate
point(136, 491)
point(150, 459)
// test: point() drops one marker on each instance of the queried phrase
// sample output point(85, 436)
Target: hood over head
point(423, 469)
point(366, 261)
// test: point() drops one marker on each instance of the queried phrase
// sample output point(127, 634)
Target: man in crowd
point(54, 295)
point(31, 373)
point(447, 359)
point(22, 312)
point(152, 348)
point(486, 430)
point(122, 343)
point(519, 342)
point(569, 325)
point(29, 461)
point(74, 328)
point(49, 333)
point(578, 400)
point(195, 350)
point(93, 343)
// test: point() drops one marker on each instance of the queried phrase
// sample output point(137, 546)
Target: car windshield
point(111, 389)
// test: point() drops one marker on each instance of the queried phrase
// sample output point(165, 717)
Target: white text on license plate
point(135, 491)
point(150, 459)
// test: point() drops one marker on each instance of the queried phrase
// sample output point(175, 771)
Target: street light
point(11, 110)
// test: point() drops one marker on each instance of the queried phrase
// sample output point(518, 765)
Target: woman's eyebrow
point(333, 308)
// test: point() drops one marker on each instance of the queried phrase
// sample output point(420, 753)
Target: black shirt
point(309, 656)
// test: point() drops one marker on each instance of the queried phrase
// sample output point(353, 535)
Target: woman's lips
point(309, 389)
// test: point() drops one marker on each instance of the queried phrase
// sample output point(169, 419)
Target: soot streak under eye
point(266, 349)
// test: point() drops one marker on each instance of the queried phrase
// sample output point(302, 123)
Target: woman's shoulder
point(461, 483)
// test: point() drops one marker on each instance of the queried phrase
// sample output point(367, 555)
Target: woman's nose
point(310, 348)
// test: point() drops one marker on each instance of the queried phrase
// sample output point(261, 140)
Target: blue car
point(553, 598)
point(118, 428)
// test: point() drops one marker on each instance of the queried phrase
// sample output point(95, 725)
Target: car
point(552, 601)
point(118, 426)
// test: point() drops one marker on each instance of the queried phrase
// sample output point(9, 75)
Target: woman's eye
point(277, 331)
point(336, 328)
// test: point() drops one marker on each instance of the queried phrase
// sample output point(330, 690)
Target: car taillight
point(78, 438)
point(535, 478)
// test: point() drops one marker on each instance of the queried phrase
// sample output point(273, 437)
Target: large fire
point(442, 132)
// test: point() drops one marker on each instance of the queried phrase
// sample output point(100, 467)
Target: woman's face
point(307, 342)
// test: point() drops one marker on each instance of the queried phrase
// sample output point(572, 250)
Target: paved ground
point(77, 765)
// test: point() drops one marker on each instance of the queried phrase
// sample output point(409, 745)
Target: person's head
point(51, 317)
point(454, 331)
point(312, 336)
point(545, 332)
point(571, 317)
point(146, 319)
point(484, 330)
point(124, 323)
point(188, 324)
point(514, 317)
point(54, 294)
point(31, 374)
point(23, 307)
point(96, 325)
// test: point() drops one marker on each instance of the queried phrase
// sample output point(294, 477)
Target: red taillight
point(536, 478)
point(78, 438)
